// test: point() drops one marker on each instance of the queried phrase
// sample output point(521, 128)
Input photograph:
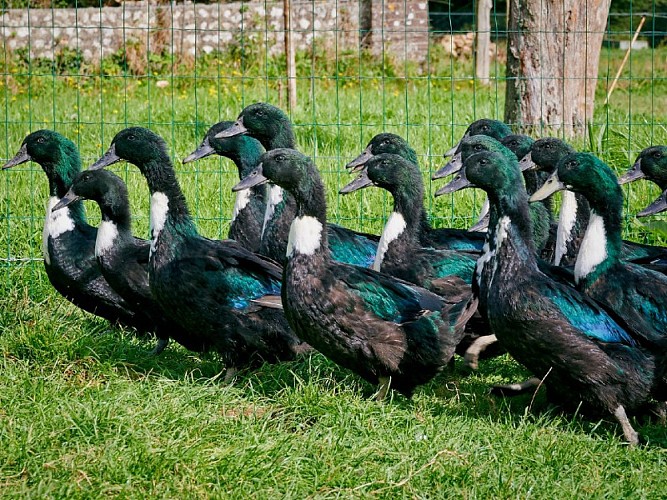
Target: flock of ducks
point(583, 310)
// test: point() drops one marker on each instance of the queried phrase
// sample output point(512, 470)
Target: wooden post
point(289, 57)
point(483, 39)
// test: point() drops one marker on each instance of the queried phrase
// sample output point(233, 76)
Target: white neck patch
point(242, 199)
point(392, 229)
point(275, 197)
point(106, 235)
point(159, 210)
point(55, 224)
point(502, 230)
point(305, 236)
point(593, 250)
point(566, 220)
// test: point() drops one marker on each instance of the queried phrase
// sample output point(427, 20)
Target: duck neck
point(64, 171)
point(246, 158)
point(408, 203)
point(508, 250)
point(600, 249)
point(282, 138)
point(308, 231)
point(117, 212)
point(169, 211)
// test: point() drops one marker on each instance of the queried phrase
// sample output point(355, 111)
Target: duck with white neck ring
point(583, 357)
point(635, 295)
point(209, 288)
point(388, 331)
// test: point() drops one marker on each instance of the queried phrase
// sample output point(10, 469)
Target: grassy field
point(85, 412)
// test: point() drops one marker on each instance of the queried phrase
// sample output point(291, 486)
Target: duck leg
point(630, 434)
point(230, 373)
point(476, 348)
point(159, 347)
point(383, 388)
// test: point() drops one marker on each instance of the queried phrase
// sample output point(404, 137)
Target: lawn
point(85, 412)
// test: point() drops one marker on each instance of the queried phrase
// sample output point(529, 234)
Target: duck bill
point(551, 185)
point(459, 182)
point(21, 157)
point(633, 174)
point(202, 151)
point(66, 200)
point(659, 205)
point(237, 129)
point(452, 166)
point(109, 158)
point(254, 178)
point(360, 161)
point(481, 225)
point(526, 164)
point(360, 182)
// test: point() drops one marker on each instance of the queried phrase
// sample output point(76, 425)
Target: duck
point(583, 357)
point(400, 252)
point(635, 295)
point(211, 289)
point(123, 258)
point(448, 238)
point(650, 164)
point(445, 272)
point(388, 331)
point(540, 216)
point(250, 205)
point(273, 129)
point(68, 241)
point(544, 155)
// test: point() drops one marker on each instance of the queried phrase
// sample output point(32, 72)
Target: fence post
point(289, 56)
point(483, 41)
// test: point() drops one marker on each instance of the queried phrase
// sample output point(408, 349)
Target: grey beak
point(21, 157)
point(109, 158)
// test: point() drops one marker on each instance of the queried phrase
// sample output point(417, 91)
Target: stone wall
point(397, 26)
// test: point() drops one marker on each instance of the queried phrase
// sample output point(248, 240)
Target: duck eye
point(478, 147)
point(280, 158)
point(657, 154)
point(131, 137)
point(571, 163)
point(547, 146)
point(41, 140)
point(485, 128)
point(483, 161)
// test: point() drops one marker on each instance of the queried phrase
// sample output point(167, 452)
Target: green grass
point(84, 412)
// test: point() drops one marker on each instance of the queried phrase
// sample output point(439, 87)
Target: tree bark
point(483, 41)
point(553, 52)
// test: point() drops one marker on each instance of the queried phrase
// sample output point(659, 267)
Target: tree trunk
point(553, 52)
point(483, 41)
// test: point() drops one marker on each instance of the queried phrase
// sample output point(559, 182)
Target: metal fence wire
point(89, 69)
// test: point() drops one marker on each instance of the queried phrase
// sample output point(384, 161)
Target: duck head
point(388, 171)
point(243, 150)
point(383, 143)
point(287, 168)
point(485, 126)
point(57, 155)
point(468, 147)
point(101, 186)
point(491, 171)
point(518, 144)
point(650, 164)
point(545, 154)
point(582, 173)
point(137, 145)
point(266, 123)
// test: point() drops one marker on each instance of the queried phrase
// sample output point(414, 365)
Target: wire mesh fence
point(362, 67)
